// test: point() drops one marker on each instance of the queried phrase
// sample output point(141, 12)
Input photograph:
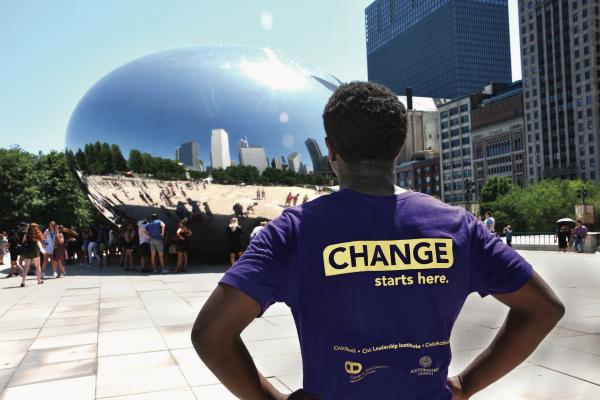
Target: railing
point(531, 238)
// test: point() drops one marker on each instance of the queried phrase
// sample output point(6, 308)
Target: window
point(464, 108)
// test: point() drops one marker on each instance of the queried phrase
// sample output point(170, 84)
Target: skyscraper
point(243, 142)
point(255, 156)
point(219, 149)
point(276, 163)
point(560, 50)
point(315, 154)
point(440, 48)
point(177, 155)
point(294, 162)
point(189, 155)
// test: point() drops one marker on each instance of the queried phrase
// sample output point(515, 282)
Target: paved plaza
point(100, 334)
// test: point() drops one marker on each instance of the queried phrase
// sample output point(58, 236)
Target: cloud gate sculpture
point(198, 110)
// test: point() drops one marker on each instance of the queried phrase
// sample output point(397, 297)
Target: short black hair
point(154, 216)
point(365, 121)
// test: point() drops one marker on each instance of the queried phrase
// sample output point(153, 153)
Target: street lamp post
point(582, 194)
point(468, 191)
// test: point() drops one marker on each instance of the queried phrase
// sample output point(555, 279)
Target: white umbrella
point(565, 220)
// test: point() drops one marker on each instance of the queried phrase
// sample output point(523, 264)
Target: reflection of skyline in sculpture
point(219, 149)
point(189, 155)
point(294, 162)
point(191, 105)
point(163, 100)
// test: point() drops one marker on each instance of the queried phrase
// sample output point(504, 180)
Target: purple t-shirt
point(375, 284)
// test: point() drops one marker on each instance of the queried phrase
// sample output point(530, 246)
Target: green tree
point(118, 161)
point(494, 188)
point(135, 161)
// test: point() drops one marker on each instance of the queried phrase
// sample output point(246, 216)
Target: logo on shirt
point(425, 363)
point(353, 368)
point(387, 255)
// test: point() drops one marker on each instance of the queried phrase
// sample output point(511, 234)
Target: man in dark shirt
point(375, 296)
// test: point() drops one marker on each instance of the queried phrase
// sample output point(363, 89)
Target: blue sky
point(54, 51)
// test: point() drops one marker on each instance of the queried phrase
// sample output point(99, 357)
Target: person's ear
point(331, 154)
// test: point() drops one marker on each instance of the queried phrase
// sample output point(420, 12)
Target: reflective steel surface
point(156, 103)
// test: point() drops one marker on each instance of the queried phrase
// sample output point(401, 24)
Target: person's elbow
point(556, 310)
point(203, 336)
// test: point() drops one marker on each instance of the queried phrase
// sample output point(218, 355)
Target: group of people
point(571, 237)
point(57, 245)
point(28, 246)
point(291, 200)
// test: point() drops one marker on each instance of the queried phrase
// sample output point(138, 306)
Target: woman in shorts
point(128, 245)
point(31, 249)
point(49, 242)
point(183, 237)
point(60, 253)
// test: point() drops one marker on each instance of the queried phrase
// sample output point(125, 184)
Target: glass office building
point(440, 48)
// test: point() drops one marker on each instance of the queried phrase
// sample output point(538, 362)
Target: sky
point(52, 52)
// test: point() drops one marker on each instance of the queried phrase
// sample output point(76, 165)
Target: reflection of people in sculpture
point(262, 192)
point(233, 236)
point(288, 199)
point(295, 198)
point(250, 208)
point(183, 237)
point(238, 210)
point(305, 199)
point(208, 211)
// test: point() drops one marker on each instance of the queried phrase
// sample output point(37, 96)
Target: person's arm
point(162, 229)
point(178, 234)
point(533, 311)
point(216, 338)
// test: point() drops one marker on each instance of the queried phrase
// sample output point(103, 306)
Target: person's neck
point(378, 185)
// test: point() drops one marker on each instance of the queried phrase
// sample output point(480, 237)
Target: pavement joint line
point(164, 340)
point(32, 342)
point(565, 374)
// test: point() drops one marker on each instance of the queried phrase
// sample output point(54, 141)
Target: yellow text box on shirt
point(387, 255)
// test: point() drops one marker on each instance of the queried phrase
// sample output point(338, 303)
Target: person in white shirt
point(490, 222)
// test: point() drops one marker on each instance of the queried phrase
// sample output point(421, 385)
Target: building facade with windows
point(560, 60)
point(422, 174)
point(455, 160)
point(440, 48)
point(497, 138)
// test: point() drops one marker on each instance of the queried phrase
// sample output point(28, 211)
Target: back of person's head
point(365, 123)
point(580, 222)
point(154, 217)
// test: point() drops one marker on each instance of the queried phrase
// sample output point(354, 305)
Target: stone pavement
point(109, 335)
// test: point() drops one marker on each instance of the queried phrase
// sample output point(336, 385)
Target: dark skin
point(533, 311)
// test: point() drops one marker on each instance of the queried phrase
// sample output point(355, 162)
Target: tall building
point(189, 155)
point(422, 128)
point(177, 154)
point(219, 149)
point(284, 163)
point(294, 162)
point(243, 142)
point(497, 138)
point(456, 161)
point(560, 61)
point(440, 48)
point(276, 163)
point(255, 156)
point(315, 154)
